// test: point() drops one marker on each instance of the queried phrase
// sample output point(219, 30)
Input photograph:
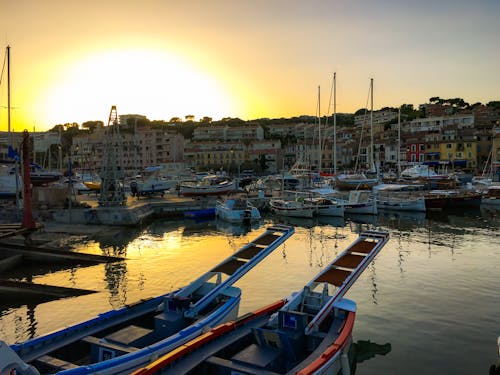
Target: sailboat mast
point(335, 123)
point(8, 94)
point(319, 128)
point(399, 142)
point(371, 126)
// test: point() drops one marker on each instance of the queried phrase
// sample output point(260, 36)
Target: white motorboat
point(359, 202)
point(209, 185)
point(296, 208)
point(326, 206)
point(236, 210)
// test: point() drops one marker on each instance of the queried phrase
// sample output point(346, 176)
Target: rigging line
point(3, 67)
point(327, 113)
point(362, 129)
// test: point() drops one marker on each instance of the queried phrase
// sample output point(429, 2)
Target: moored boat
point(310, 333)
point(209, 185)
point(120, 341)
point(492, 196)
point(291, 208)
point(236, 210)
point(325, 206)
point(359, 202)
point(396, 197)
point(355, 182)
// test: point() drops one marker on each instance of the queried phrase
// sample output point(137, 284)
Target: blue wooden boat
point(198, 214)
point(309, 333)
point(120, 341)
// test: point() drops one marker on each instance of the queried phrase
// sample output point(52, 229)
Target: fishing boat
point(308, 333)
point(325, 206)
point(492, 196)
point(153, 183)
point(354, 182)
point(236, 210)
point(40, 177)
point(291, 208)
point(119, 341)
point(396, 197)
point(201, 213)
point(209, 185)
point(359, 202)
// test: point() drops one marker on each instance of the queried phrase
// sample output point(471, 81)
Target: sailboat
point(360, 180)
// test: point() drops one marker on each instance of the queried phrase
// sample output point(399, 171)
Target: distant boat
point(9, 183)
point(291, 208)
point(119, 341)
point(356, 181)
point(209, 185)
point(325, 206)
point(40, 177)
point(359, 202)
point(492, 196)
point(396, 197)
point(237, 210)
point(308, 333)
point(198, 214)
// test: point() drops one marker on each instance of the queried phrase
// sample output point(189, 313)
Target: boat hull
point(192, 191)
point(416, 205)
point(290, 209)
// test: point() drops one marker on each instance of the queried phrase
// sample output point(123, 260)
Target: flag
point(12, 154)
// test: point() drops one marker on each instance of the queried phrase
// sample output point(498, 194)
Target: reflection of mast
point(112, 193)
point(374, 283)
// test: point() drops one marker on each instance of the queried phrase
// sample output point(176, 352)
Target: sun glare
point(148, 82)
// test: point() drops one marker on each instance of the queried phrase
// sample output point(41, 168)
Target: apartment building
point(379, 118)
point(228, 133)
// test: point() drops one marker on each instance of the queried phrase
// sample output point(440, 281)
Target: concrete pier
point(20, 292)
point(134, 212)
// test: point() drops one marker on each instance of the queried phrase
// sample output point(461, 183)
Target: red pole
point(28, 221)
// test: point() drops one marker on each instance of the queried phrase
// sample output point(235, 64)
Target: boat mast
point(8, 94)
point(319, 129)
point(371, 127)
point(399, 142)
point(335, 123)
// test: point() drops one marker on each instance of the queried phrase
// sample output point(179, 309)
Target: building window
point(448, 145)
point(413, 148)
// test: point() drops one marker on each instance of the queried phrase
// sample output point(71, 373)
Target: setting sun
point(142, 81)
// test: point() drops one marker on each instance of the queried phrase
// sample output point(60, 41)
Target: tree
point(206, 120)
point(175, 120)
point(92, 125)
point(189, 118)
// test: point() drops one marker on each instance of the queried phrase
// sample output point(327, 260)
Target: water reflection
point(237, 229)
point(365, 350)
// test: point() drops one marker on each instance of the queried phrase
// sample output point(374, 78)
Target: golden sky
point(72, 60)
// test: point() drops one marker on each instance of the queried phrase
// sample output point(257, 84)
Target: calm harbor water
point(432, 292)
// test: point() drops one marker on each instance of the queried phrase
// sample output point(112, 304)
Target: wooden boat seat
point(249, 252)
point(333, 276)
point(238, 367)
point(229, 267)
point(350, 261)
point(362, 247)
point(102, 349)
point(54, 364)
point(266, 240)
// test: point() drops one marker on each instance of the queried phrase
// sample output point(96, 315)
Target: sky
point(72, 60)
